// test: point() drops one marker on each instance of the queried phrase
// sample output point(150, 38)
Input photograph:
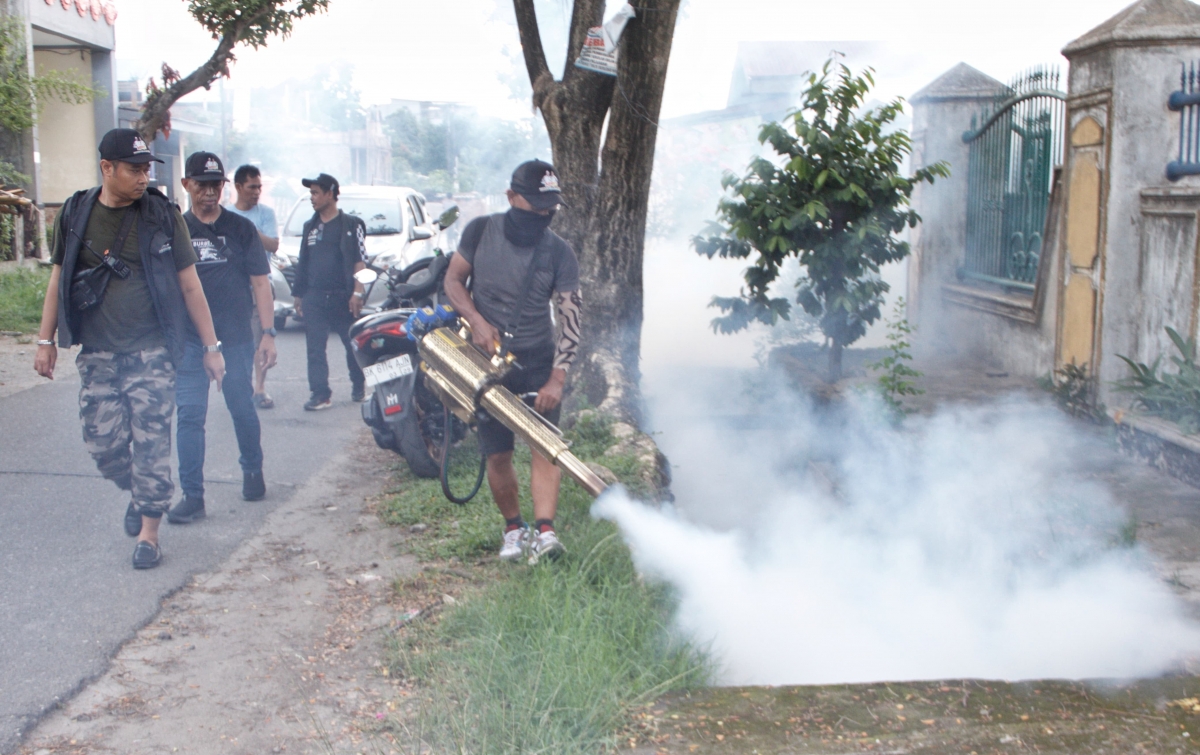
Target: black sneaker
point(189, 509)
point(133, 521)
point(317, 403)
point(146, 555)
point(358, 394)
point(254, 487)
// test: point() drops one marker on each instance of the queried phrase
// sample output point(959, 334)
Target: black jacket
point(353, 248)
point(156, 234)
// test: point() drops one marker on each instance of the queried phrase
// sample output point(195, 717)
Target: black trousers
point(323, 312)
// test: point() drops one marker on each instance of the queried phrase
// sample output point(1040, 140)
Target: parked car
point(400, 231)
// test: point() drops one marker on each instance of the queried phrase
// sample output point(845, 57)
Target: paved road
point(68, 594)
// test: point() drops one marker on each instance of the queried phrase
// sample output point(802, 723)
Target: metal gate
point(1013, 153)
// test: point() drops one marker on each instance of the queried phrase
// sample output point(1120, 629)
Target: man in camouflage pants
point(125, 404)
point(124, 287)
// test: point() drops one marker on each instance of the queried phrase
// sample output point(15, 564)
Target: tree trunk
point(835, 361)
point(607, 186)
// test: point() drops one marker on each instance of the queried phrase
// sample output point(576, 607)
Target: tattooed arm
point(566, 306)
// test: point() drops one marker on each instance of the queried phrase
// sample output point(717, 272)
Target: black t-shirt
point(325, 271)
point(125, 320)
point(225, 269)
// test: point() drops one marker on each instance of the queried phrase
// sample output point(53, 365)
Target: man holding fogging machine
point(516, 266)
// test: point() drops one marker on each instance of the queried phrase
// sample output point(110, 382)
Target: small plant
point(1174, 397)
point(1072, 390)
point(897, 378)
point(21, 295)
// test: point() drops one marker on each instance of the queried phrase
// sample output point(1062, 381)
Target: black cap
point(204, 166)
point(324, 180)
point(127, 146)
point(537, 182)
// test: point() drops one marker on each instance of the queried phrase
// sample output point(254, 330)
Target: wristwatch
point(270, 332)
point(360, 294)
point(45, 343)
point(215, 347)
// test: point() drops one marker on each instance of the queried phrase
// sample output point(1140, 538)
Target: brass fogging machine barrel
point(464, 378)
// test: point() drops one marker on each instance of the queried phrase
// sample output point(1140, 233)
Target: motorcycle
point(403, 414)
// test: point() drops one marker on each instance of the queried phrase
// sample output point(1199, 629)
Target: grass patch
point(21, 295)
point(547, 658)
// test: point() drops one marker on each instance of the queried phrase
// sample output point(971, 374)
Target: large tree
point(602, 134)
point(231, 22)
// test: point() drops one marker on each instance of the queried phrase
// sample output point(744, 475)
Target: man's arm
point(47, 356)
point(483, 333)
point(269, 243)
point(263, 302)
point(566, 306)
point(197, 307)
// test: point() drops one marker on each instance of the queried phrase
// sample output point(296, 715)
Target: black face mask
point(525, 228)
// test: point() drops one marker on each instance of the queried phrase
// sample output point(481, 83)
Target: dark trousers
point(324, 312)
point(191, 396)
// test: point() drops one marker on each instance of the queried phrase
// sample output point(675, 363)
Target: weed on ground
point(549, 657)
point(21, 294)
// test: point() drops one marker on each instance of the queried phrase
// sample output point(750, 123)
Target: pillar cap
point(1145, 23)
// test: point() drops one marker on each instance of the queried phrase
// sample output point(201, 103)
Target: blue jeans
point(191, 397)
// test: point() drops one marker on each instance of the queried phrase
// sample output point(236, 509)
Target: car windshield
point(382, 216)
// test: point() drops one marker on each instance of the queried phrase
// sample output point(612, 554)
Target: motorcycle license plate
point(396, 367)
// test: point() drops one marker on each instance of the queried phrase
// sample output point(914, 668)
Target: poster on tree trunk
point(599, 51)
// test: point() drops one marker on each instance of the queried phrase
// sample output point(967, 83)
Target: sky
point(467, 50)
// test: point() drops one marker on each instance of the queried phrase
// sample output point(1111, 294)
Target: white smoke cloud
point(962, 546)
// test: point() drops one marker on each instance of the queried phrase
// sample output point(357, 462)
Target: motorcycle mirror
point(447, 218)
point(366, 276)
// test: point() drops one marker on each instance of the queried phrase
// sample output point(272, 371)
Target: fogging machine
point(467, 382)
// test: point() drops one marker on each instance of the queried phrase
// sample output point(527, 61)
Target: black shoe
point(317, 403)
point(133, 521)
point(254, 487)
point(146, 555)
point(189, 509)
point(358, 394)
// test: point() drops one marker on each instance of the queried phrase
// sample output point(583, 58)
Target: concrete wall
point(1130, 266)
point(66, 133)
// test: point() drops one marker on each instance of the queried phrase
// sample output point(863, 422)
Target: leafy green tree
point(231, 22)
point(834, 197)
point(21, 95)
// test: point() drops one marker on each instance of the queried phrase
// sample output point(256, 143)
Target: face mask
point(525, 228)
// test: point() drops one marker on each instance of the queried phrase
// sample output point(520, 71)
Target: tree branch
point(531, 40)
point(156, 110)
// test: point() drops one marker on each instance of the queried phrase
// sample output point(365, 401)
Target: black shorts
point(494, 437)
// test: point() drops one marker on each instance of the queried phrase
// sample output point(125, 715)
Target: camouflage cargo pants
point(125, 404)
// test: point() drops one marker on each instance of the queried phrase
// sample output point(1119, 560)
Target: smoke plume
point(811, 550)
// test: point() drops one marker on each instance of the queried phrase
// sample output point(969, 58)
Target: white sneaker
point(514, 544)
point(547, 545)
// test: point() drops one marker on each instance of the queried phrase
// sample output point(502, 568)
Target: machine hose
point(447, 435)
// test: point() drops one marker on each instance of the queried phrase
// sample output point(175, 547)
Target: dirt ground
point(278, 651)
point(930, 718)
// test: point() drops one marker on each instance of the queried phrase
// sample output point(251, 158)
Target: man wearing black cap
point(231, 262)
point(332, 249)
point(517, 267)
point(124, 286)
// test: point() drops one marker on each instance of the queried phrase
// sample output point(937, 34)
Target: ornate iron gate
point(1013, 153)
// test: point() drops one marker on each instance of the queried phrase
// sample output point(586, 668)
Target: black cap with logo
point(324, 180)
point(204, 166)
point(537, 182)
point(125, 145)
